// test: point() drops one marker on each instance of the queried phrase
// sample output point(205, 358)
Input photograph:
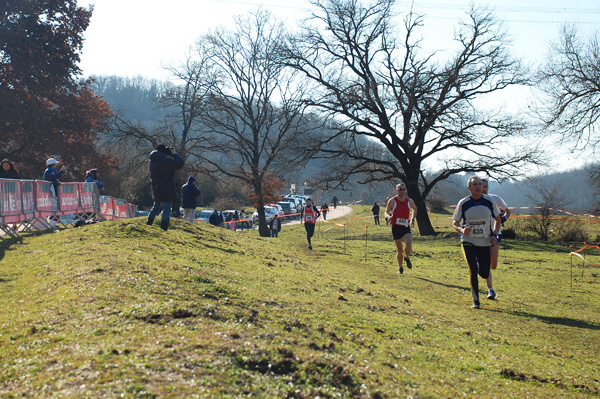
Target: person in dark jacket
point(220, 219)
point(213, 218)
point(92, 176)
point(8, 170)
point(163, 164)
point(375, 211)
point(51, 175)
point(324, 209)
point(334, 200)
point(275, 226)
point(189, 193)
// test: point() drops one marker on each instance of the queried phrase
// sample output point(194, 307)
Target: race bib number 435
point(479, 228)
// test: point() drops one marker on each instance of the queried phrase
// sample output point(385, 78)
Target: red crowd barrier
point(33, 205)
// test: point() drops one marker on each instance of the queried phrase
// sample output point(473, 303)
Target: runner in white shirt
point(504, 214)
point(473, 218)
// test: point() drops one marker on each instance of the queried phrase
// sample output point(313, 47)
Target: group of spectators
point(8, 170)
point(164, 161)
point(231, 220)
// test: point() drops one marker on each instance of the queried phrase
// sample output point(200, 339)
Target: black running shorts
point(399, 231)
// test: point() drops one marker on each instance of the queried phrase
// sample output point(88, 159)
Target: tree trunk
point(425, 226)
point(263, 229)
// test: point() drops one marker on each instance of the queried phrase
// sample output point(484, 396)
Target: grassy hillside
point(121, 309)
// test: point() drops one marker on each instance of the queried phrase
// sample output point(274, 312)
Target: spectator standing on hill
point(212, 219)
point(334, 201)
point(242, 219)
point(92, 176)
point(398, 211)
point(375, 211)
point(51, 175)
point(8, 170)
point(324, 210)
point(311, 214)
point(189, 193)
point(495, 249)
point(478, 233)
point(235, 220)
point(300, 209)
point(275, 226)
point(163, 164)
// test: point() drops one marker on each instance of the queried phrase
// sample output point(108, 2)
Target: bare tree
point(547, 200)
point(188, 101)
point(416, 106)
point(593, 174)
point(570, 78)
point(255, 114)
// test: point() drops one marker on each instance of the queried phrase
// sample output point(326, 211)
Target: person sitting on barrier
point(8, 170)
point(91, 176)
point(51, 175)
point(189, 192)
point(163, 164)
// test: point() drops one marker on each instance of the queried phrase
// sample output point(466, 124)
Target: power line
point(447, 6)
point(517, 9)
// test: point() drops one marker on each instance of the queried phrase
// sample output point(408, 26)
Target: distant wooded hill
point(137, 100)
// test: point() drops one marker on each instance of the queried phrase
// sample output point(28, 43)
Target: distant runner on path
point(477, 233)
point(311, 214)
point(334, 200)
point(398, 211)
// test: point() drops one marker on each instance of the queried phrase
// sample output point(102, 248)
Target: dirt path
point(339, 212)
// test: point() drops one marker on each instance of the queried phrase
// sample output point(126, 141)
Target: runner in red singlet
point(401, 213)
point(310, 216)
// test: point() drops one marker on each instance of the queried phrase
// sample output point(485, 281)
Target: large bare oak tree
point(415, 107)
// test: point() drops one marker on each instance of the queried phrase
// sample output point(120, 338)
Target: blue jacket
point(162, 176)
point(51, 175)
point(189, 192)
point(90, 179)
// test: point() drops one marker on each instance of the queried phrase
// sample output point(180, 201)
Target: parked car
point(299, 199)
point(203, 215)
point(280, 212)
point(269, 212)
point(289, 207)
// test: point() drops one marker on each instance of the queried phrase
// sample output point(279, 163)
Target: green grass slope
point(121, 309)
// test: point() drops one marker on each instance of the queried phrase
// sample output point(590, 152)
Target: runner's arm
point(388, 209)
point(413, 207)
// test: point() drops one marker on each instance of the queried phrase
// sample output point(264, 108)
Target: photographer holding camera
point(164, 161)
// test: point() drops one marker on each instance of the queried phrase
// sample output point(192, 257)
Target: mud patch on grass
point(520, 376)
point(178, 314)
point(282, 362)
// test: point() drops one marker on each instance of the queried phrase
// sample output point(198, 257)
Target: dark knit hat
point(162, 148)
point(191, 179)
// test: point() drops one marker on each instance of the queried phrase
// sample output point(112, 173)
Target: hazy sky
point(140, 37)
